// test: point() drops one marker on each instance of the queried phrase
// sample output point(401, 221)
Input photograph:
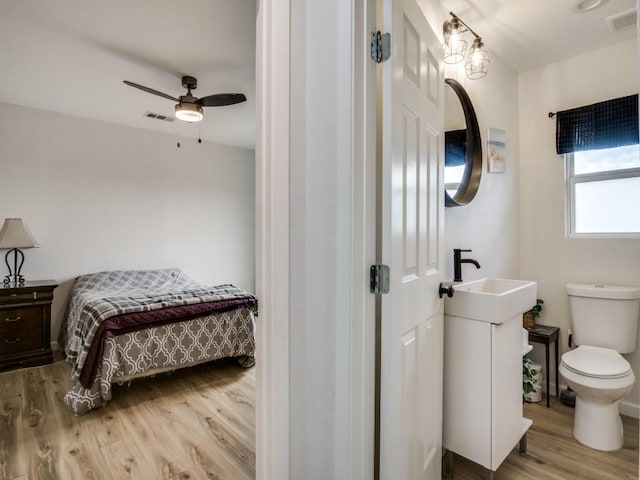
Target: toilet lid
point(596, 362)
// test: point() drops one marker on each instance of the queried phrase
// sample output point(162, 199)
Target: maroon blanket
point(131, 322)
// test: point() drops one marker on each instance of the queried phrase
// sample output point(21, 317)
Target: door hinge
point(380, 46)
point(379, 279)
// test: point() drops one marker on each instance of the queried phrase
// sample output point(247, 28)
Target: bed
point(127, 324)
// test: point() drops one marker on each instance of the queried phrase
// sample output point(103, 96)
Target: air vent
point(623, 21)
point(159, 116)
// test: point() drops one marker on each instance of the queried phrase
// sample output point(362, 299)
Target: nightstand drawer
point(17, 318)
point(21, 335)
point(7, 298)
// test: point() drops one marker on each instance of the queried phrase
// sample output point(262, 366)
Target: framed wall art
point(496, 150)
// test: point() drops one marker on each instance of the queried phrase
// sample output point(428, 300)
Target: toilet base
point(597, 425)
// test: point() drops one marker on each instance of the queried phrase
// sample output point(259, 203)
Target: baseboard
point(629, 409)
point(626, 407)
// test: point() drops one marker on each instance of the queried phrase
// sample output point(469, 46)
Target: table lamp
point(15, 235)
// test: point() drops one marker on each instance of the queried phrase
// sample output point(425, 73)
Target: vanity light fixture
point(477, 64)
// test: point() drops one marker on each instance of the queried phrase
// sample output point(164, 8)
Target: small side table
point(25, 323)
point(547, 335)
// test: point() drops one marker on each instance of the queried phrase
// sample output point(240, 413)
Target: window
point(602, 167)
point(603, 192)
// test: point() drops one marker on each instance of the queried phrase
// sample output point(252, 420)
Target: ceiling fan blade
point(221, 99)
point(150, 90)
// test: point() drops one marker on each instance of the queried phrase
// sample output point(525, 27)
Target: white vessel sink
point(493, 300)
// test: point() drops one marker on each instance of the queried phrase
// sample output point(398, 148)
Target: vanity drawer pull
point(14, 319)
point(13, 341)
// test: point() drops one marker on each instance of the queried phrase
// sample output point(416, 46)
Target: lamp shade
point(477, 65)
point(455, 46)
point(15, 234)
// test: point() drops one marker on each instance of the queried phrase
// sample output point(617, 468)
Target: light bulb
point(455, 45)
point(454, 41)
point(476, 58)
point(478, 61)
point(478, 54)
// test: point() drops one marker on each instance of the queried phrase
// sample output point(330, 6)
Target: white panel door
point(412, 90)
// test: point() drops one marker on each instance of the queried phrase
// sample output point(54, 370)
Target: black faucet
point(458, 261)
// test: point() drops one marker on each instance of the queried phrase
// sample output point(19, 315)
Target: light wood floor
point(553, 453)
point(197, 423)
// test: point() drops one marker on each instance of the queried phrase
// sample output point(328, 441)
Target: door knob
point(445, 289)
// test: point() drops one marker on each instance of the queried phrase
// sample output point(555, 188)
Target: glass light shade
point(189, 112)
point(454, 45)
point(477, 65)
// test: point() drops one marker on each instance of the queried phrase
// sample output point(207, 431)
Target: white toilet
point(605, 323)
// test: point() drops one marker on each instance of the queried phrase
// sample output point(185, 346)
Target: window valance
point(608, 124)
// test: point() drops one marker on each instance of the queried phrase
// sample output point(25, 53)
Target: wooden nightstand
point(25, 323)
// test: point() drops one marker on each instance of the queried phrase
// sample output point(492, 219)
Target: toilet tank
point(604, 315)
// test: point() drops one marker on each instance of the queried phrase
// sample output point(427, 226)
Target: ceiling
point(531, 33)
point(71, 56)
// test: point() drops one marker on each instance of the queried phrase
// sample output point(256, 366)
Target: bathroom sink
point(493, 300)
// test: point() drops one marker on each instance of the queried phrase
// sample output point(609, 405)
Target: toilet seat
point(596, 362)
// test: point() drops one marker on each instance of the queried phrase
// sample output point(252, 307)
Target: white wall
point(321, 236)
point(546, 255)
point(98, 196)
point(489, 224)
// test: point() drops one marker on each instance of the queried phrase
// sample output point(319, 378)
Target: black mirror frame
point(473, 157)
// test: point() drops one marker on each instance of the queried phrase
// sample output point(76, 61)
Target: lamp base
point(14, 277)
point(13, 280)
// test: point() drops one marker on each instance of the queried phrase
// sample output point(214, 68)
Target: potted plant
point(529, 317)
point(531, 381)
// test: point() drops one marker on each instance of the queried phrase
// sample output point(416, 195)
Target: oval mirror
point(462, 146)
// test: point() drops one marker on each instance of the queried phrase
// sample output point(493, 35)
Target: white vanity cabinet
point(483, 389)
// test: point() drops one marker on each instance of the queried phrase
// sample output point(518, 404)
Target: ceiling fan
point(189, 108)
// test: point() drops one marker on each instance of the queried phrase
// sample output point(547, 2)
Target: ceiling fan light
point(189, 112)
